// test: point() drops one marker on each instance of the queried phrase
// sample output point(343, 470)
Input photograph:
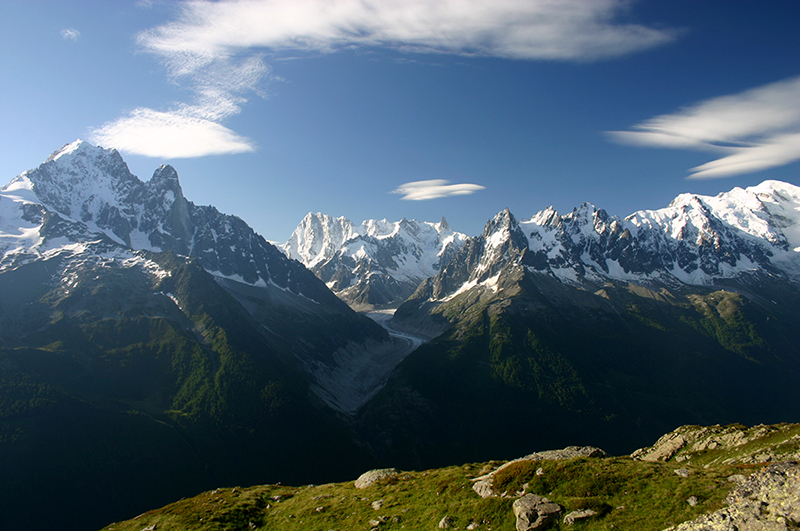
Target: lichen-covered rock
point(768, 500)
point(368, 478)
point(483, 485)
point(535, 512)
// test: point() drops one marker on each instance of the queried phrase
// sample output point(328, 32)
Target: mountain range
point(376, 265)
point(152, 348)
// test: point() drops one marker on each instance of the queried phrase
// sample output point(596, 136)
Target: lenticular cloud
point(434, 189)
point(752, 131)
point(169, 135)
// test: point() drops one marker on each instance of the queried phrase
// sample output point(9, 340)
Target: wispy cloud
point(752, 131)
point(215, 47)
point(434, 189)
point(70, 34)
point(533, 29)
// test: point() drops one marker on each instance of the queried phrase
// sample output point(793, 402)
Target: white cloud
point(433, 189)
point(169, 135)
point(532, 29)
point(215, 47)
point(70, 34)
point(755, 130)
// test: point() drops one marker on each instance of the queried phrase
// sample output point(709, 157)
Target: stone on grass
point(535, 512)
point(373, 476)
point(572, 517)
point(446, 523)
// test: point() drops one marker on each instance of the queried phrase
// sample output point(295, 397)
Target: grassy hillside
point(626, 493)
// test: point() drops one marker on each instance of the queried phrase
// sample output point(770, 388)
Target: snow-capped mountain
point(83, 209)
point(377, 263)
point(604, 324)
point(84, 190)
point(696, 240)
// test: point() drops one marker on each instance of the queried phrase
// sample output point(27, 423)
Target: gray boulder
point(535, 512)
point(373, 476)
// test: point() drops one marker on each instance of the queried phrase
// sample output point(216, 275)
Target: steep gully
point(359, 371)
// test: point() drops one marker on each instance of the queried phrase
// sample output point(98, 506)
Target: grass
point(627, 494)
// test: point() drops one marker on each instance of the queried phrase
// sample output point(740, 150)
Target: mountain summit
point(90, 190)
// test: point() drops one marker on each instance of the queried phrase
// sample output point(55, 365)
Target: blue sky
point(407, 108)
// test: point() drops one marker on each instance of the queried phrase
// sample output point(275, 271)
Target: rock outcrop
point(574, 516)
point(768, 500)
point(688, 442)
point(483, 484)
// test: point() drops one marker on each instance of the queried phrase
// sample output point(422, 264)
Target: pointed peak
point(547, 217)
point(75, 147)
point(444, 225)
point(505, 217)
point(502, 220)
point(166, 178)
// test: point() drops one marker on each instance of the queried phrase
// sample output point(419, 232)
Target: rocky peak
point(80, 178)
point(502, 220)
point(317, 238)
point(548, 217)
point(166, 178)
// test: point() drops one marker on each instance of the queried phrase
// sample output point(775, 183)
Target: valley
point(358, 372)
